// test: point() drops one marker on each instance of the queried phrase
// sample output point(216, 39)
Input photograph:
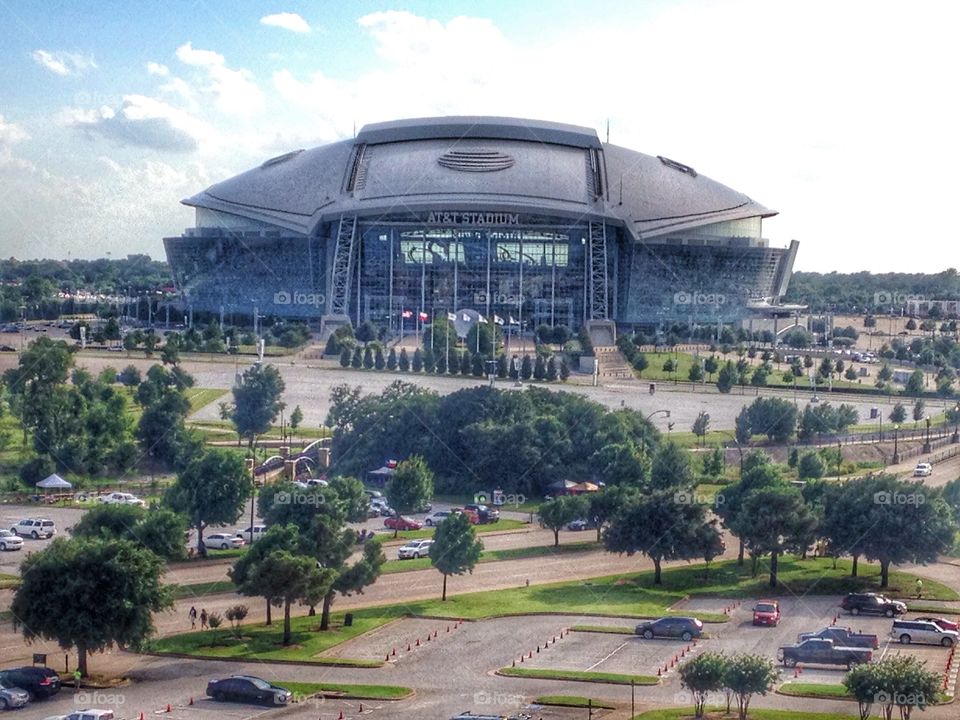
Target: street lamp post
point(643, 434)
point(926, 444)
point(956, 424)
point(896, 455)
point(839, 458)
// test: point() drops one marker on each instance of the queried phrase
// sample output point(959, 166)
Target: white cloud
point(11, 133)
point(235, 91)
point(286, 20)
point(155, 68)
point(64, 63)
point(141, 121)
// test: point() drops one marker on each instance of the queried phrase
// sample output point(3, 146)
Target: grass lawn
point(572, 701)
point(608, 629)
point(820, 690)
point(577, 675)
point(499, 526)
point(201, 397)
point(8, 581)
point(259, 642)
point(394, 566)
point(632, 595)
point(205, 588)
point(921, 607)
point(358, 692)
point(685, 713)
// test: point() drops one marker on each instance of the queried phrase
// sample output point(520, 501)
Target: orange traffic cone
point(191, 700)
point(341, 715)
point(361, 707)
point(168, 708)
point(394, 652)
point(418, 642)
point(408, 647)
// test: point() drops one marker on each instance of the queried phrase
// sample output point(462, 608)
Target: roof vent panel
point(476, 160)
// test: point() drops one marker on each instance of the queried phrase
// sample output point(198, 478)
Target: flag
point(452, 317)
point(514, 322)
point(465, 317)
point(407, 314)
point(498, 320)
point(422, 315)
point(482, 319)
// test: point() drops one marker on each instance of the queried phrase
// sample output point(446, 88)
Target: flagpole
point(446, 358)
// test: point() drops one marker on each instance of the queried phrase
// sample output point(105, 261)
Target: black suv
point(872, 604)
point(486, 513)
point(40, 682)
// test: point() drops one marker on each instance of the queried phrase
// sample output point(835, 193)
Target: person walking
point(76, 680)
point(193, 617)
point(919, 588)
point(203, 619)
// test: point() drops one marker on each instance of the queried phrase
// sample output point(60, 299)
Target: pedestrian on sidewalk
point(919, 588)
point(193, 617)
point(203, 619)
point(76, 680)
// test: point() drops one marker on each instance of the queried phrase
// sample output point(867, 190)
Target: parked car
point(942, 622)
point(380, 505)
point(40, 682)
point(415, 549)
point(222, 541)
point(581, 524)
point(246, 688)
point(685, 628)
point(823, 652)
point(472, 516)
point(372, 494)
point(923, 631)
point(121, 498)
point(436, 517)
point(486, 513)
point(842, 636)
point(256, 534)
point(872, 604)
point(10, 541)
point(401, 522)
point(85, 715)
point(923, 470)
point(766, 612)
point(12, 696)
point(35, 528)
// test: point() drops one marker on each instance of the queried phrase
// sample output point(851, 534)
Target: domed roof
point(478, 163)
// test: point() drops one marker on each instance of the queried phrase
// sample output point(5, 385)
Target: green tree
point(392, 362)
point(89, 594)
point(456, 548)
point(296, 417)
point(526, 368)
point(557, 512)
point(700, 426)
point(671, 469)
point(212, 489)
point(540, 368)
point(695, 374)
point(256, 401)
point(411, 486)
point(290, 578)
point(703, 675)
point(810, 466)
point(898, 414)
point(727, 377)
point(851, 373)
point(914, 385)
point(775, 519)
point(130, 377)
point(379, 362)
point(170, 355)
point(714, 463)
point(356, 359)
point(711, 364)
point(749, 675)
point(662, 525)
point(345, 356)
point(417, 364)
point(368, 358)
point(404, 362)
point(640, 363)
point(552, 371)
point(919, 411)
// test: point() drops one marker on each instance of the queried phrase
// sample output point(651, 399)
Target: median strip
point(578, 676)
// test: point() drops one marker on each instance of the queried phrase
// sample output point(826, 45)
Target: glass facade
point(531, 276)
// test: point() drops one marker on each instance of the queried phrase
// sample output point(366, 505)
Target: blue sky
point(840, 115)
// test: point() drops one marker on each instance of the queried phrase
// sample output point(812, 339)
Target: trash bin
point(653, 388)
point(874, 413)
point(348, 620)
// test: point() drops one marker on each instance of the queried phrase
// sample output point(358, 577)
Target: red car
point(398, 522)
point(472, 516)
point(766, 612)
point(943, 623)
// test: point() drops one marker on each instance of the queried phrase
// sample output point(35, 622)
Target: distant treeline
point(869, 292)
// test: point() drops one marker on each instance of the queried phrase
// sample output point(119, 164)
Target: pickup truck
point(823, 652)
point(842, 637)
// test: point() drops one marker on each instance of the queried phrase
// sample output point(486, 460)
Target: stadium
point(526, 222)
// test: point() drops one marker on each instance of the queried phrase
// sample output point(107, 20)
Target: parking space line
point(603, 660)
